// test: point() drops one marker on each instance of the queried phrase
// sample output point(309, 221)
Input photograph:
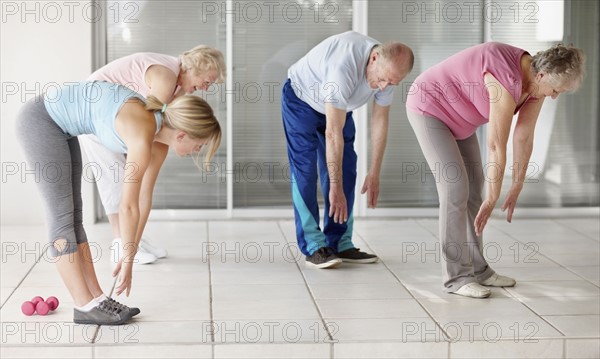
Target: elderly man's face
point(382, 73)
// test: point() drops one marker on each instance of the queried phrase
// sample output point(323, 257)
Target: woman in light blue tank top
point(144, 129)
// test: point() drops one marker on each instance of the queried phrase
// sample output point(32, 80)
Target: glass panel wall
point(268, 37)
point(433, 30)
point(172, 27)
point(563, 169)
point(266, 42)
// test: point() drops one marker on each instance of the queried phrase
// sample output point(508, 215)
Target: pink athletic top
point(130, 70)
point(454, 90)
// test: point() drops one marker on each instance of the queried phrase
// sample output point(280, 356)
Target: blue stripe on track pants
point(305, 134)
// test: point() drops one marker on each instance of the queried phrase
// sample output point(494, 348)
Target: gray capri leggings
point(456, 165)
point(56, 158)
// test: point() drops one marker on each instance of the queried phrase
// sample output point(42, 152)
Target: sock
point(86, 308)
point(100, 298)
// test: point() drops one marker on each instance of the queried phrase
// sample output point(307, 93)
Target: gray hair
point(203, 58)
point(563, 63)
point(398, 53)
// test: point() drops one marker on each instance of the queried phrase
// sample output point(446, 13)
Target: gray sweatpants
point(457, 168)
point(56, 159)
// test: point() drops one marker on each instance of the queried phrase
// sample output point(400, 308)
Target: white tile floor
point(241, 289)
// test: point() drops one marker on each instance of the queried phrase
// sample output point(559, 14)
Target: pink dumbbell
point(37, 304)
point(36, 300)
point(28, 308)
point(52, 303)
point(42, 308)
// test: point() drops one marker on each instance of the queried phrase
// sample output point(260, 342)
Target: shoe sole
point(498, 286)
point(360, 261)
point(91, 322)
point(331, 264)
point(473, 296)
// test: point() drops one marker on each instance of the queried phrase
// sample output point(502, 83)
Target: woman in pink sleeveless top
point(487, 83)
point(166, 77)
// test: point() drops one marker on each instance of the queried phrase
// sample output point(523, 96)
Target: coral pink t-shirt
point(454, 90)
point(130, 71)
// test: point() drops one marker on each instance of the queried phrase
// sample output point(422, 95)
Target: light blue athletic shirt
point(91, 107)
point(334, 71)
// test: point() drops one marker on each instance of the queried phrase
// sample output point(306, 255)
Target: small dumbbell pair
point(37, 304)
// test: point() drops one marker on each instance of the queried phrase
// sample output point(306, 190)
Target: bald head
point(389, 64)
point(398, 54)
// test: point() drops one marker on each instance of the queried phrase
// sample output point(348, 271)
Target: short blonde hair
point(192, 115)
point(563, 63)
point(202, 59)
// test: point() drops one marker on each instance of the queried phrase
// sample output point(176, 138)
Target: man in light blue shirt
point(337, 76)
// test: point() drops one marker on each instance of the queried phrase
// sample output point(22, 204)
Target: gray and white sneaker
point(473, 290)
point(497, 280)
point(132, 310)
point(105, 313)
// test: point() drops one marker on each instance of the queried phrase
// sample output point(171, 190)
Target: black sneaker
point(105, 313)
point(324, 257)
point(354, 255)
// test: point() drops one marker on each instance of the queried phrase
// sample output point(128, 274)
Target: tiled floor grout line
point(575, 230)
point(534, 312)
point(577, 274)
point(330, 339)
point(357, 233)
point(510, 294)
point(21, 281)
point(523, 303)
point(93, 346)
point(550, 259)
point(434, 234)
point(567, 268)
point(418, 301)
point(111, 291)
point(210, 296)
point(447, 350)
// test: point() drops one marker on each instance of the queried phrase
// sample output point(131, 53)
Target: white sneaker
point(473, 290)
point(147, 246)
point(141, 257)
point(497, 280)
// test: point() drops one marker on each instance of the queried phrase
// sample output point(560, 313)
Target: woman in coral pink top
point(487, 83)
point(166, 77)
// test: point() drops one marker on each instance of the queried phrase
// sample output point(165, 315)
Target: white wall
point(42, 42)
